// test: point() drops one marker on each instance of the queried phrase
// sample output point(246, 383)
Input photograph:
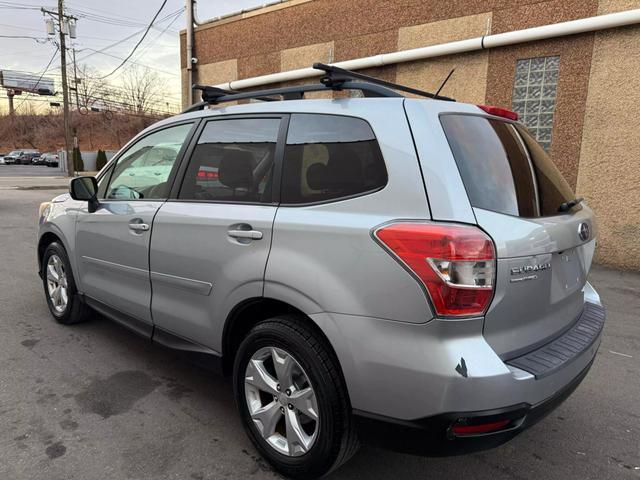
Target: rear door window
point(503, 167)
point(233, 162)
point(329, 157)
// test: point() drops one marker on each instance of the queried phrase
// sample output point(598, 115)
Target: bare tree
point(88, 87)
point(142, 89)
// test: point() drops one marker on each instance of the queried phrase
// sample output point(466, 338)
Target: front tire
point(292, 398)
point(60, 288)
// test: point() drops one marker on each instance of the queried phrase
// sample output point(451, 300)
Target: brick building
point(578, 93)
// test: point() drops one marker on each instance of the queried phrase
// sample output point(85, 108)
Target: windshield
point(503, 167)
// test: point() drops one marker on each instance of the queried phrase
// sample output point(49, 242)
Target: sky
point(101, 24)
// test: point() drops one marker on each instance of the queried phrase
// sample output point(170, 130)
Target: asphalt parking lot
point(96, 402)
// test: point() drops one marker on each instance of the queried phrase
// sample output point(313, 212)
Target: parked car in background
point(36, 159)
point(1, 158)
point(50, 159)
point(12, 157)
point(27, 157)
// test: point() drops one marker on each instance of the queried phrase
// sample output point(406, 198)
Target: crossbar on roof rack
point(210, 93)
point(336, 75)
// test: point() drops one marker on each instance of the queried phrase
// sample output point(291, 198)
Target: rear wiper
point(566, 206)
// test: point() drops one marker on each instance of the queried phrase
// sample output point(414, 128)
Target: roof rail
point(334, 79)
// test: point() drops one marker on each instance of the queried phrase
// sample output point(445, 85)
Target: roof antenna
point(444, 82)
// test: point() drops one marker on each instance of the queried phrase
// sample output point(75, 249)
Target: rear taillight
point(456, 263)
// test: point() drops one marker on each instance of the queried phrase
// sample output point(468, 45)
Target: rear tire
point(328, 437)
point(60, 290)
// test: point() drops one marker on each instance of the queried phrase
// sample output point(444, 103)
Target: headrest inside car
point(343, 171)
point(236, 169)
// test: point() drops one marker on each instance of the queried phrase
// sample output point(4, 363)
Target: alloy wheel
point(281, 401)
point(57, 283)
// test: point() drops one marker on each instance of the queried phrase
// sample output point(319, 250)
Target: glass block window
point(534, 95)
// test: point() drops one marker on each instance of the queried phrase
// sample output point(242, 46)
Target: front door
point(210, 244)
point(112, 243)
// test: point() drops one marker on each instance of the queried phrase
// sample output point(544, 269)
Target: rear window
point(502, 166)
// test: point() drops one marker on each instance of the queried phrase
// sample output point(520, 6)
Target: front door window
point(143, 171)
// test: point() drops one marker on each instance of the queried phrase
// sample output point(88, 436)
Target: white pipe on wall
point(571, 27)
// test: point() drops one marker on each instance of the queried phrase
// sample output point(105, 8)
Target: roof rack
point(335, 78)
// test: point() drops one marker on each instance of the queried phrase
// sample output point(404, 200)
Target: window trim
point(174, 169)
point(278, 156)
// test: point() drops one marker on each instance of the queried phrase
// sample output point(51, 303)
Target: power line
point(38, 40)
point(166, 72)
point(126, 38)
point(139, 42)
point(112, 19)
point(178, 15)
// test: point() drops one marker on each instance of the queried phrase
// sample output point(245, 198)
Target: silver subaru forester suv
point(404, 272)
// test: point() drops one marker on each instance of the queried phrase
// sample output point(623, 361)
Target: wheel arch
point(50, 233)
point(249, 313)
point(45, 240)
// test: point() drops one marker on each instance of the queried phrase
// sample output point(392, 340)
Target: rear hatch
point(544, 251)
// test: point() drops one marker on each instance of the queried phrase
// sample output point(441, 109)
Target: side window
point(143, 171)
point(330, 157)
point(233, 161)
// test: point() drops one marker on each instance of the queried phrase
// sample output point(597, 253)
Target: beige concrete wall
point(210, 74)
point(609, 174)
point(469, 81)
point(612, 6)
point(301, 57)
point(218, 72)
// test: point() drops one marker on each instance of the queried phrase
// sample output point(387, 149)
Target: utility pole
point(64, 28)
point(65, 91)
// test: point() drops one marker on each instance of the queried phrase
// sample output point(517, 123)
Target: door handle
point(249, 234)
point(139, 227)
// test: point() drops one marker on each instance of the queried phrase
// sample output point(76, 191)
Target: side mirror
point(85, 189)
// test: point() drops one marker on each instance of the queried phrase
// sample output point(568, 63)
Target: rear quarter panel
point(323, 257)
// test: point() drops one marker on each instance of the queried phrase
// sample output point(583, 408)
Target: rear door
point(211, 240)
point(544, 253)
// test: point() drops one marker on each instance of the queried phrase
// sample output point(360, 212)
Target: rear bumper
point(416, 380)
point(432, 436)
